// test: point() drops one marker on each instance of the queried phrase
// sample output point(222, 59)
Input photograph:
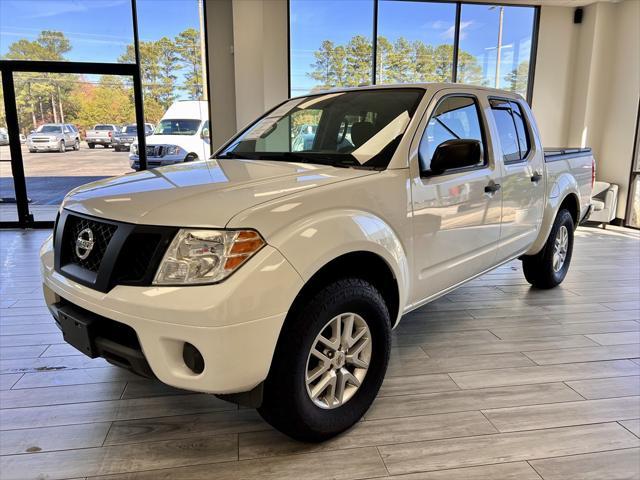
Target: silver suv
point(54, 137)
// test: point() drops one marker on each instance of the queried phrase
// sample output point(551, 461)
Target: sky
point(433, 23)
point(99, 30)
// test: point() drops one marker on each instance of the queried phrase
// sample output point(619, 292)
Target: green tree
point(188, 52)
point(40, 96)
point(517, 78)
point(358, 60)
point(398, 62)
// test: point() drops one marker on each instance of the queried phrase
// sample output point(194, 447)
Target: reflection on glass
point(78, 30)
point(330, 44)
point(415, 41)
point(360, 128)
point(496, 41)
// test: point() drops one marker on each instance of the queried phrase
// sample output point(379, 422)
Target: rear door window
point(512, 129)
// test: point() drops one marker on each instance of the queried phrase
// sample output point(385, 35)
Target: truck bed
point(555, 154)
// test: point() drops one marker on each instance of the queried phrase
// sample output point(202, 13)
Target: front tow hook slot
point(193, 358)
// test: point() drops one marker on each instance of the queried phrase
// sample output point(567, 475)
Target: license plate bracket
point(77, 331)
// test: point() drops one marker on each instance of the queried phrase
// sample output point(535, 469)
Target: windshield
point(130, 129)
point(49, 129)
point(177, 127)
point(103, 127)
point(357, 128)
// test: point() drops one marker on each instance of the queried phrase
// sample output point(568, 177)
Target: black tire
point(538, 269)
point(63, 147)
point(117, 149)
point(286, 404)
point(91, 145)
point(32, 151)
point(192, 157)
point(76, 145)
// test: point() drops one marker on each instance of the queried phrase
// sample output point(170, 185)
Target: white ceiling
point(553, 3)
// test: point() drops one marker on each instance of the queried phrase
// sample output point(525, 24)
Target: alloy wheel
point(560, 248)
point(338, 361)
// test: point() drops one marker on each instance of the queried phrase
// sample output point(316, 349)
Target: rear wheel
point(91, 145)
point(330, 361)
point(192, 157)
point(76, 145)
point(548, 267)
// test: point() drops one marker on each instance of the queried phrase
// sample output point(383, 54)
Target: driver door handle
point(536, 177)
point(492, 188)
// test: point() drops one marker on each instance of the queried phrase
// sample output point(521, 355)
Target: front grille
point(122, 253)
point(154, 151)
point(135, 259)
point(102, 234)
point(41, 140)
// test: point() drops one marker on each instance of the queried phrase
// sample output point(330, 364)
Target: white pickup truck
point(101, 134)
point(273, 275)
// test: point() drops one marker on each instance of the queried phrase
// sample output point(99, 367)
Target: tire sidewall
point(564, 218)
point(322, 423)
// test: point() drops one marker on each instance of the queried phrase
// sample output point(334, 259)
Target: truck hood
point(200, 194)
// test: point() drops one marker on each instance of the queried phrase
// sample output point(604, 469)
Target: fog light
point(193, 358)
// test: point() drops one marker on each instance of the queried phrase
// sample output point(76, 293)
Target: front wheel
point(91, 145)
point(76, 145)
point(62, 148)
point(329, 363)
point(192, 157)
point(547, 268)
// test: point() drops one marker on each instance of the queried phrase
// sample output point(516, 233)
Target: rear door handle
point(536, 177)
point(492, 188)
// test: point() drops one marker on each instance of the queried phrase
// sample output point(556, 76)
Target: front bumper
point(234, 324)
point(44, 146)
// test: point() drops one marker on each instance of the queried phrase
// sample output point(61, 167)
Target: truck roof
point(188, 109)
point(425, 85)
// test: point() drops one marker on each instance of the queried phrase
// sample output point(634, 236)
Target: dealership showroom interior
point(320, 239)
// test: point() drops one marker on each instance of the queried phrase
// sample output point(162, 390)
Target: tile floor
point(494, 381)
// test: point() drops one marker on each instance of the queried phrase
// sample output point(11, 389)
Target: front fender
point(312, 243)
point(563, 186)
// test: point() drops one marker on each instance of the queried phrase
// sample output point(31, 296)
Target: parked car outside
point(4, 137)
point(124, 138)
point(54, 137)
point(182, 135)
point(273, 278)
point(101, 134)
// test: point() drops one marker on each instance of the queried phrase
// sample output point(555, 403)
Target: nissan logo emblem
point(84, 243)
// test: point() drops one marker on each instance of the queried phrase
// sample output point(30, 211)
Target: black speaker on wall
point(577, 15)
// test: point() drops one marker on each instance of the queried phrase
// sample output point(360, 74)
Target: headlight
point(206, 256)
point(172, 150)
point(134, 149)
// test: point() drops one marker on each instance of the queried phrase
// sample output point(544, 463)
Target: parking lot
point(50, 175)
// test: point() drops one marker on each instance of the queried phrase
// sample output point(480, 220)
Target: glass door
point(633, 206)
point(76, 129)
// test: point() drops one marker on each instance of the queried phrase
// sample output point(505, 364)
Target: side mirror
point(205, 133)
point(454, 154)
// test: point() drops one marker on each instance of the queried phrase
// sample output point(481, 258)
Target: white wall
point(587, 84)
point(261, 56)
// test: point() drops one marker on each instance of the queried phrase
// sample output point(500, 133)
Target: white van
point(181, 136)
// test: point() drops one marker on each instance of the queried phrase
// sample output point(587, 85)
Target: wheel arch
point(569, 200)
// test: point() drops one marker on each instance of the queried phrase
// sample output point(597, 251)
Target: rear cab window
point(512, 129)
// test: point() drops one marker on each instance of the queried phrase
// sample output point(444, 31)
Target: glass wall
point(495, 46)
point(330, 42)
point(172, 54)
point(79, 30)
point(416, 40)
